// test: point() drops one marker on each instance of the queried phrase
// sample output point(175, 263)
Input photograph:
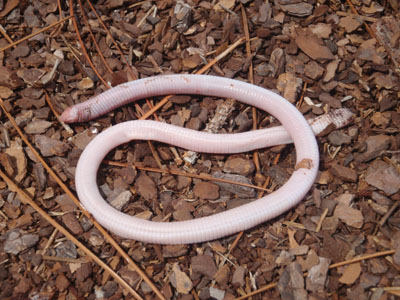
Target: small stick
point(26, 199)
point(228, 10)
point(388, 214)
point(38, 268)
point(4, 33)
point(346, 14)
point(321, 219)
point(201, 71)
point(35, 33)
point(50, 104)
point(178, 160)
point(333, 266)
point(371, 32)
point(153, 61)
point(85, 20)
point(107, 236)
point(6, 135)
point(300, 103)
point(179, 173)
point(155, 155)
point(113, 40)
point(75, 53)
point(75, 24)
point(64, 259)
point(145, 16)
point(60, 11)
point(256, 158)
point(137, 4)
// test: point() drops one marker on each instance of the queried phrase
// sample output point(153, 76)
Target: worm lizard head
point(70, 115)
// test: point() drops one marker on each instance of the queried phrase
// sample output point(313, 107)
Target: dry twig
point(179, 173)
point(13, 187)
point(74, 22)
point(333, 266)
point(93, 38)
point(201, 71)
point(106, 235)
point(35, 33)
point(371, 32)
point(132, 74)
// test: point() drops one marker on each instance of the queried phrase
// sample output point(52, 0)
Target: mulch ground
point(341, 242)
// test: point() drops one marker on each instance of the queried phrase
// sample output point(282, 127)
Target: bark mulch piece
point(317, 54)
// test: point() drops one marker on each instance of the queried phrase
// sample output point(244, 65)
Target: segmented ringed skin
point(218, 225)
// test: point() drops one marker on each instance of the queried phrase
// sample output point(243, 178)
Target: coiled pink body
point(295, 128)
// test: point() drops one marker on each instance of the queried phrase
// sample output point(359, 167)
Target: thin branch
point(60, 11)
point(35, 33)
point(145, 16)
point(50, 104)
point(300, 102)
point(93, 38)
point(106, 235)
point(321, 219)
point(4, 33)
point(371, 32)
point(74, 22)
point(359, 17)
point(26, 199)
point(180, 173)
point(333, 266)
point(201, 71)
point(64, 259)
point(361, 258)
point(113, 40)
point(388, 214)
point(256, 158)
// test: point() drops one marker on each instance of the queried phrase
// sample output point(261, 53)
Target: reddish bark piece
point(312, 45)
point(204, 265)
point(239, 166)
point(344, 173)
point(146, 187)
point(206, 190)
point(351, 273)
